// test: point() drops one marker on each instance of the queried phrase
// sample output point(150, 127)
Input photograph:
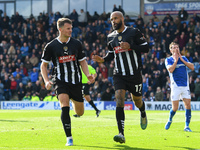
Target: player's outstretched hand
point(97, 58)
point(91, 79)
point(48, 85)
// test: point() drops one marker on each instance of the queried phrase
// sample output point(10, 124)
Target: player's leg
point(172, 112)
point(141, 105)
point(187, 103)
point(65, 117)
point(120, 116)
point(88, 99)
point(78, 107)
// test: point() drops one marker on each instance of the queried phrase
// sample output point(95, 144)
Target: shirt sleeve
point(47, 54)
point(81, 53)
point(139, 42)
point(139, 38)
point(168, 63)
point(185, 58)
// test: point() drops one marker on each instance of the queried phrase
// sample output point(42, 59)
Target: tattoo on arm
point(120, 97)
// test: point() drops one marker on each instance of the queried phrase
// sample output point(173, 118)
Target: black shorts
point(85, 89)
point(73, 90)
point(131, 83)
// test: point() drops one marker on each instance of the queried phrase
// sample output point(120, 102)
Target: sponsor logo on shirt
point(179, 65)
point(118, 49)
point(68, 58)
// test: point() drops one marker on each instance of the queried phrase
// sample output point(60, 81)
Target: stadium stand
point(22, 41)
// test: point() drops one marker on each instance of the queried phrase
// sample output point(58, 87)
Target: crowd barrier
point(102, 105)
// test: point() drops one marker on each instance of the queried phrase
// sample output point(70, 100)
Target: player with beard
point(125, 46)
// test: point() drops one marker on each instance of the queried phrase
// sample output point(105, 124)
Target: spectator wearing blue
point(20, 72)
point(51, 18)
point(24, 49)
point(144, 86)
point(34, 75)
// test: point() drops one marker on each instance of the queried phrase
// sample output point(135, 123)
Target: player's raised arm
point(188, 64)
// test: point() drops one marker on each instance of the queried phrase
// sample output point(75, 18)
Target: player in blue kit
point(176, 66)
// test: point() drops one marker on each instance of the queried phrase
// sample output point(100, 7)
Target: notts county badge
point(65, 50)
point(120, 38)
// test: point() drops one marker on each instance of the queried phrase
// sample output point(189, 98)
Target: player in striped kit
point(67, 56)
point(176, 66)
point(125, 46)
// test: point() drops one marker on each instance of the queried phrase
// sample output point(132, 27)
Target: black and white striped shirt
point(65, 58)
point(127, 62)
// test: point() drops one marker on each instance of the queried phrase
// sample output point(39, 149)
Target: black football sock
point(66, 120)
point(120, 117)
point(93, 105)
point(142, 110)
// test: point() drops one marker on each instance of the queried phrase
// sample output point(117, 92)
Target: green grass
point(38, 130)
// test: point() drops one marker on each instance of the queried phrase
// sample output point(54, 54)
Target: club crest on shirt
point(120, 38)
point(65, 50)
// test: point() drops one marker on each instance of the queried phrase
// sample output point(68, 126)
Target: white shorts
point(178, 93)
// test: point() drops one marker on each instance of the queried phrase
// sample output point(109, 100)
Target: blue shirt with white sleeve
point(179, 77)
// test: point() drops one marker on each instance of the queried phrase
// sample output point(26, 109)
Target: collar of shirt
point(62, 42)
point(123, 30)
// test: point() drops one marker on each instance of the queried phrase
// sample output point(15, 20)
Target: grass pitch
point(42, 130)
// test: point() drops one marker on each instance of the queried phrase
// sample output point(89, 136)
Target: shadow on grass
point(131, 148)
point(188, 148)
point(12, 120)
point(126, 147)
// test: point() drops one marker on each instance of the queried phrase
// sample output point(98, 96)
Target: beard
point(118, 25)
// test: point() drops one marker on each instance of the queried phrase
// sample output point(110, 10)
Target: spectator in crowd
point(34, 97)
point(7, 84)
point(74, 17)
point(29, 88)
point(21, 91)
point(27, 97)
point(121, 10)
point(37, 88)
point(151, 97)
point(115, 8)
point(13, 86)
point(197, 28)
point(48, 97)
point(1, 91)
point(183, 14)
point(106, 95)
point(159, 96)
point(82, 18)
point(37, 31)
point(197, 89)
point(34, 75)
point(34, 60)
point(168, 16)
point(196, 17)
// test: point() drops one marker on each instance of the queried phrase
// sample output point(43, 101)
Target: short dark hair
point(62, 21)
